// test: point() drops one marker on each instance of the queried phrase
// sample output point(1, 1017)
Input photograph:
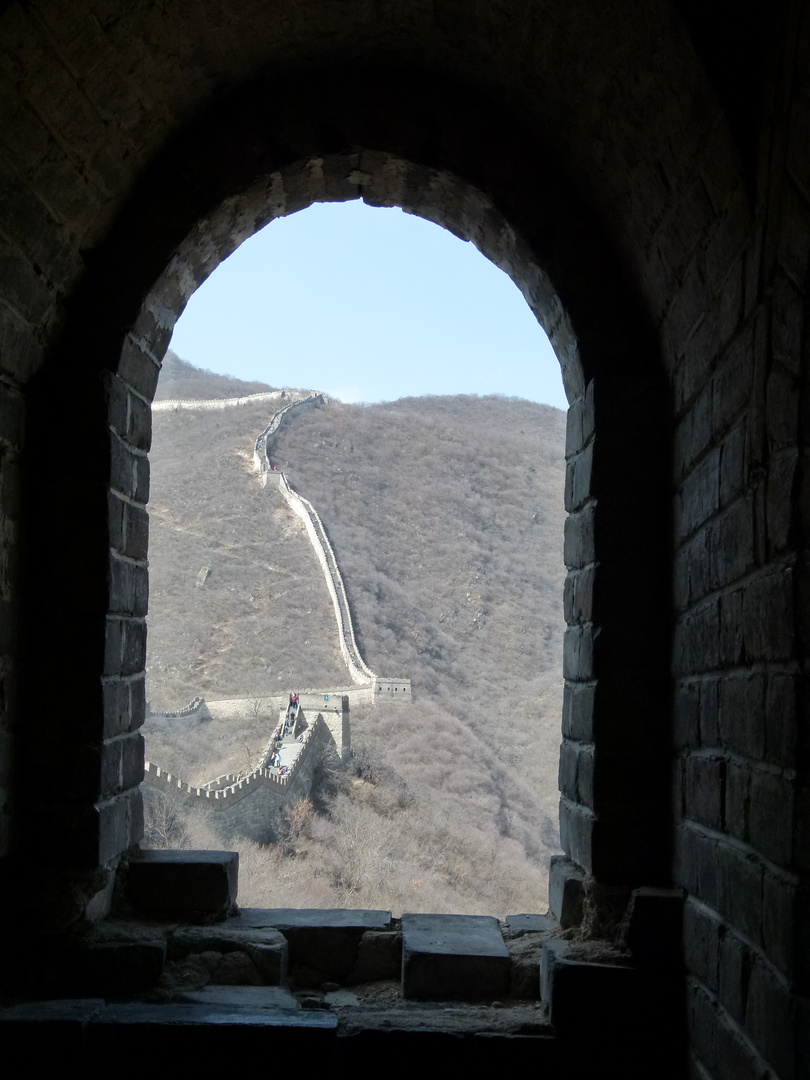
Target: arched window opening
point(448, 801)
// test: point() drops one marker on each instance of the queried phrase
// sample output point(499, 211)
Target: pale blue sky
point(367, 304)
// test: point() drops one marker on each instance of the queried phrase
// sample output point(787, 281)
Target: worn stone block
point(379, 956)
point(734, 972)
point(781, 719)
point(699, 496)
point(577, 721)
point(323, 942)
point(139, 422)
point(768, 616)
point(566, 886)
point(576, 833)
point(518, 925)
point(701, 944)
point(453, 957)
point(184, 881)
point(739, 878)
point(579, 538)
point(771, 825)
point(39, 1032)
point(781, 919)
point(704, 782)
point(136, 537)
point(267, 948)
point(769, 1019)
point(588, 989)
point(738, 799)
point(741, 700)
point(654, 928)
point(138, 369)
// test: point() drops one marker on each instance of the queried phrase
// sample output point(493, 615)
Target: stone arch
point(393, 137)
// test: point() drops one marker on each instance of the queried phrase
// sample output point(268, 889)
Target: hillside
point(181, 380)
point(446, 516)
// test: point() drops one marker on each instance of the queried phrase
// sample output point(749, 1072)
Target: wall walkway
point(359, 671)
point(250, 802)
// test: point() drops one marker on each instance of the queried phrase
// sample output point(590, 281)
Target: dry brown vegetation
point(182, 381)
point(446, 516)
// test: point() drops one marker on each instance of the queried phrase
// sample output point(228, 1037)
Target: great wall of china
point(248, 803)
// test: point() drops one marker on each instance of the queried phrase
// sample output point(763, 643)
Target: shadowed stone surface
point(184, 881)
point(251, 997)
point(323, 943)
point(457, 957)
point(529, 924)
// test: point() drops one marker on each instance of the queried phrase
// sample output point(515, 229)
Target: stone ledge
point(184, 882)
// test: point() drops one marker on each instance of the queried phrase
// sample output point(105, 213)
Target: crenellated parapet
point(212, 404)
point(249, 804)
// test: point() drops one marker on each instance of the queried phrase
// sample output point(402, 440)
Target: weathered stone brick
point(578, 699)
point(699, 495)
point(138, 369)
point(578, 478)
point(709, 712)
point(139, 422)
point(782, 407)
point(741, 705)
point(578, 653)
point(693, 434)
point(700, 564)
point(137, 701)
point(685, 865)
point(738, 800)
point(116, 696)
point(578, 596)
point(732, 638)
point(735, 970)
point(769, 1017)
point(704, 789)
point(113, 646)
point(778, 500)
point(132, 758)
point(687, 714)
point(134, 646)
point(115, 518)
point(576, 832)
point(122, 467)
point(786, 323)
point(681, 584)
point(697, 639)
point(731, 545)
point(779, 917)
point(118, 819)
point(115, 393)
point(137, 531)
point(771, 827)
point(701, 943)
point(567, 771)
point(740, 887)
point(768, 616)
point(578, 549)
point(733, 464)
point(736, 1057)
point(781, 719)
point(141, 485)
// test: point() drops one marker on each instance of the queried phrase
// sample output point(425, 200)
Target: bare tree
point(163, 821)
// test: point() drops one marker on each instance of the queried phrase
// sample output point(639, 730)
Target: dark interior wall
point(657, 222)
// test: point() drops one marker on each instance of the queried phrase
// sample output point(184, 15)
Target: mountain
point(446, 517)
point(181, 380)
